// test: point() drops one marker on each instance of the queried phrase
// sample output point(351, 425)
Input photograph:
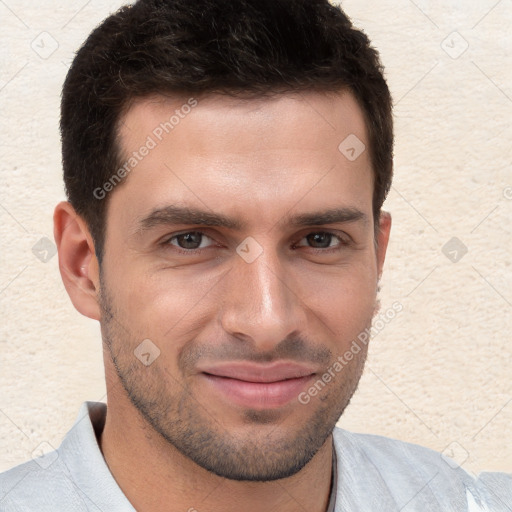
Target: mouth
point(258, 386)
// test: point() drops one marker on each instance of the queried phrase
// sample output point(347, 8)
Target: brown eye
point(190, 240)
point(320, 240)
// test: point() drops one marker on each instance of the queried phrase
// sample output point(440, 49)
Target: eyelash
point(342, 243)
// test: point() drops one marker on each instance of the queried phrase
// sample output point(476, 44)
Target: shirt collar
point(82, 456)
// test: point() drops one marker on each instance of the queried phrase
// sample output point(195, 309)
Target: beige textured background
point(439, 373)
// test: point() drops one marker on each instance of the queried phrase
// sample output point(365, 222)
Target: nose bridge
point(261, 304)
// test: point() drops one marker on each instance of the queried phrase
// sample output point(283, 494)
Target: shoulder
point(392, 452)
point(411, 473)
point(60, 479)
point(399, 459)
point(36, 484)
point(496, 489)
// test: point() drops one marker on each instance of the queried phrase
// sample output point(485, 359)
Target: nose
point(262, 305)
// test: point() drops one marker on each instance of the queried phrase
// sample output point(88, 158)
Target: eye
point(322, 240)
point(190, 240)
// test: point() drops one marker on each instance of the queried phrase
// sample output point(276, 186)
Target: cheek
point(343, 298)
point(162, 304)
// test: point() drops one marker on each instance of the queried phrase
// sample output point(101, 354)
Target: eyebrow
point(330, 216)
point(191, 216)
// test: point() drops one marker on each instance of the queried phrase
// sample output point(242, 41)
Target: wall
point(438, 373)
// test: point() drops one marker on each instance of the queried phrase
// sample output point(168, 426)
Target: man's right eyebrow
point(169, 215)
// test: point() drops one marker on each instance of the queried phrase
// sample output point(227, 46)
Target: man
point(226, 164)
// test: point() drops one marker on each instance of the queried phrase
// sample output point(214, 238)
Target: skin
point(169, 437)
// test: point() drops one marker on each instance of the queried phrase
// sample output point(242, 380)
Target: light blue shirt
point(373, 473)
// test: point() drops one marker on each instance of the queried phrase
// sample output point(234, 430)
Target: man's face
point(243, 325)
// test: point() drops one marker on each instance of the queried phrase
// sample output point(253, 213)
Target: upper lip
point(253, 372)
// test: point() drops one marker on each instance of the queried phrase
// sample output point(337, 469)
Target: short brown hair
point(236, 47)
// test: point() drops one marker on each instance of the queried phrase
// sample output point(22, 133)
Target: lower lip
point(258, 395)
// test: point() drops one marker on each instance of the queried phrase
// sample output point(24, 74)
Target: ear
point(78, 265)
point(382, 240)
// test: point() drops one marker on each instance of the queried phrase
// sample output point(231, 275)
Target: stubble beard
point(267, 448)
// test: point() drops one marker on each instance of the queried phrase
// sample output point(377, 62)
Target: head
point(226, 165)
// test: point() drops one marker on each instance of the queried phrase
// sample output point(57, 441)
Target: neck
point(156, 477)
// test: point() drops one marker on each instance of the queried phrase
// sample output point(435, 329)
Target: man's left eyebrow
point(330, 216)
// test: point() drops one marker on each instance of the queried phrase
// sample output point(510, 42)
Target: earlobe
point(77, 260)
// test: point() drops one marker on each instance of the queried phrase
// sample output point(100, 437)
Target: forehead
point(306, 120)
point(244, 157)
